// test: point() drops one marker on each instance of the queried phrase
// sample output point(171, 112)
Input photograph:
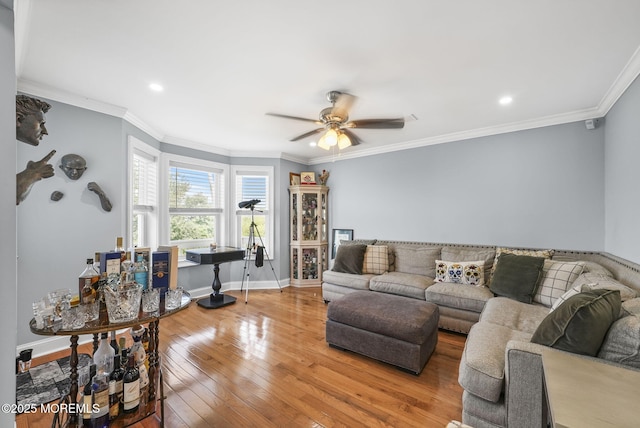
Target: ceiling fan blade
point(286, 116)
point(343, 104)
point(307, 134)
point(354, 139)
point(377, 123)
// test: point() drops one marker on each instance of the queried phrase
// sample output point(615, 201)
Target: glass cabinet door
point(309, 216)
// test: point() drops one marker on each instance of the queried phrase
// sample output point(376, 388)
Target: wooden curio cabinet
point(309, 234)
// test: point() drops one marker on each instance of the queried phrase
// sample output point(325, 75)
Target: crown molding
point(626, 77)
point(38, 89)
point(558, 119)
point(176, 141)
point(143, 126)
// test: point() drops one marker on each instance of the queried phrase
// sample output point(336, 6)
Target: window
point(254, 183)
point(196, 203)
point(143, 195)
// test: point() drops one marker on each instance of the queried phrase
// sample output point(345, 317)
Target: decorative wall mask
point(30, 119)
point(104, 201)
point(56, 196)
point(73, 166)
point(34, 172)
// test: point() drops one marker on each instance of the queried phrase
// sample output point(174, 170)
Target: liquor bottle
point(87, 294)
point(139, 354)
point(115, 388)
point(141, 272)
point(100, 413)
point(120, 248)
point(87, 399)
point(90, 273)
point(122, 343)
point(131, 387)
point(126, 269)
point(103, 357)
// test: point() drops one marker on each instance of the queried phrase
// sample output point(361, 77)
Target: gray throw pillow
point(350, 259)
point(516, 277)
point(579, 325)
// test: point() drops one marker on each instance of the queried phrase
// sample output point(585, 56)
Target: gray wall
point(8, 315)
point(55, 238)
point(622, 176)
point(535, 188)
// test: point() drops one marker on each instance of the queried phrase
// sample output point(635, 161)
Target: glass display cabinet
point(309, 232)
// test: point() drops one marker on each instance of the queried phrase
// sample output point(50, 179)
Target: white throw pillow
point(469, 273)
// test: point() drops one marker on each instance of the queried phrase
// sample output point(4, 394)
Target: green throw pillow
point(350, 259)
point(579, 325)
point(516, 277)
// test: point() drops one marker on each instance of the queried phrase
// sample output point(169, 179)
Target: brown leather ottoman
point(397, 330)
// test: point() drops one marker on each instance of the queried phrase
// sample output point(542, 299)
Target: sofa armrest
point(524, 384)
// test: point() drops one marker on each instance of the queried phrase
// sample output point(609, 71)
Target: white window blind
point(143, 202)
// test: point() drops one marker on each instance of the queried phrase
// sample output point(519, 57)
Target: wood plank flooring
point(267, 364)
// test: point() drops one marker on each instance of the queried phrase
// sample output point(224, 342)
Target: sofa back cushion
point(579, 325)
point(456, 254)
point(516, 277)
point(417, 260)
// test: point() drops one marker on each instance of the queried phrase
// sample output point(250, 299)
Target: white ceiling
point(224, 64)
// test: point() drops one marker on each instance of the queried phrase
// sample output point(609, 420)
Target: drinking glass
point(91, 311)
point(151, 300)
point(173, 299)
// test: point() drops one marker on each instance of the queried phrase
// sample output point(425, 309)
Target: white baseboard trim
point(58, 343)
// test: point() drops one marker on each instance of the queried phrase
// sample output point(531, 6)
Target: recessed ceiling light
point(506, 100)
point(312, 144)
point(156, 87)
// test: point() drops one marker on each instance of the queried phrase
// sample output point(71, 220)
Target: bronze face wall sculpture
point(30, 119)
point(73, 166)
point(30, 129)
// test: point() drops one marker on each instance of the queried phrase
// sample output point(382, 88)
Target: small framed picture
point(294, 179)
point(340, 235)
point(307, 178)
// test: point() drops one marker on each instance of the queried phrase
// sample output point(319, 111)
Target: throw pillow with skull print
point(468, 273)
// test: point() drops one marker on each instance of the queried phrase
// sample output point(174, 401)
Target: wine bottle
point(114, 343)
point(117, 376)
point(87, 399)
point(131, 387)
point(103, 357)
point(100, 413)
point(114, 403)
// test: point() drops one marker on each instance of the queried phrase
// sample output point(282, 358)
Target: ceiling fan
point(335, 123)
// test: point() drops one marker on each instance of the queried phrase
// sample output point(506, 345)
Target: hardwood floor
point(266, 363)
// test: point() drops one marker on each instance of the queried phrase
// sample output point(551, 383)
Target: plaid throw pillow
point(376, 259)
point(557, 277)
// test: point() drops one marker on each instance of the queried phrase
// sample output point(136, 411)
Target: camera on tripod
point(249, 204)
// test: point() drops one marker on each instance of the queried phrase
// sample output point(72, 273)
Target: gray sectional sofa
point(501, 368)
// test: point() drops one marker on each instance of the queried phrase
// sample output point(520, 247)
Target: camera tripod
point(251, 244)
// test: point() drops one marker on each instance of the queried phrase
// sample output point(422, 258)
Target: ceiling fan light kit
point(336, 124)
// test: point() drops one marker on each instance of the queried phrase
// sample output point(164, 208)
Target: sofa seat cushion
point(482, 364)
point(513, 314)
point(402, 284)
point(459, 296)
point(359, 282)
